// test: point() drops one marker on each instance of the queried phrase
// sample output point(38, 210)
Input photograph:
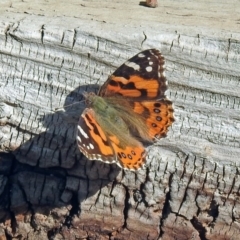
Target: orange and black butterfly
point(130, 108)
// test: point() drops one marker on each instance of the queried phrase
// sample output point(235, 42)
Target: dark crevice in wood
point(198, 208)
point(7, 235)
point(7, 33)
point(228, 49)
point(181, 216)
point(213, 210)
point(202, 169)
point(42, 33)
point(231, 189)
point(52, 233)
point(171, 46)
point(166, 208)
point(186, 187)
point(199, 227)
point(184, 166)
point(139, 196)
point(21, 130)
point(16, 38)
point(13, 222)
point(98, 43)
point(126, 208)
point(232, 214)
point(75, 210)
point(63, 35)
point(204, 181)
point(74, 38)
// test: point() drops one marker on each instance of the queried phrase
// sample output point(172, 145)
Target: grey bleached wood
point(50, 53)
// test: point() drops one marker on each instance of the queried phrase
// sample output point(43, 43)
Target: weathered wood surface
point(50, 52)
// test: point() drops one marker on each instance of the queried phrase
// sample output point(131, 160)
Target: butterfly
point(130, 109)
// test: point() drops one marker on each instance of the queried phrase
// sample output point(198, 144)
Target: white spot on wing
point(91, 146)
point(150, 63)
point(149, 69)
point(132, 65)
point(161, 74)
point(141, 55)
point(79, 139)
point(82, 132)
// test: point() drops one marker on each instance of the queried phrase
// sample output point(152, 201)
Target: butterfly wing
point(92, 140)
point(96, 144)
point(158, 116)
point(141, 77)
point(129, 157)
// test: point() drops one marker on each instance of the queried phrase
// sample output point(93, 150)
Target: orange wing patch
point(158, 116)
point(95, 144)
point(134, 87)
point(92, 140)
point(131, 157)
point(142, 77)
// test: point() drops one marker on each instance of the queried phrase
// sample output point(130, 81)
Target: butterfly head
point(89, 97)
point(95, 102)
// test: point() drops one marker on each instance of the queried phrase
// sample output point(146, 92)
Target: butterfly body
point(129, 109)
point(108, 116)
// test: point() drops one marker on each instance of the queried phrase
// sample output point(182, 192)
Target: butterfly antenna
point(67, 106)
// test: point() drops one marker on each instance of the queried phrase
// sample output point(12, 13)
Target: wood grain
point(50, 52)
